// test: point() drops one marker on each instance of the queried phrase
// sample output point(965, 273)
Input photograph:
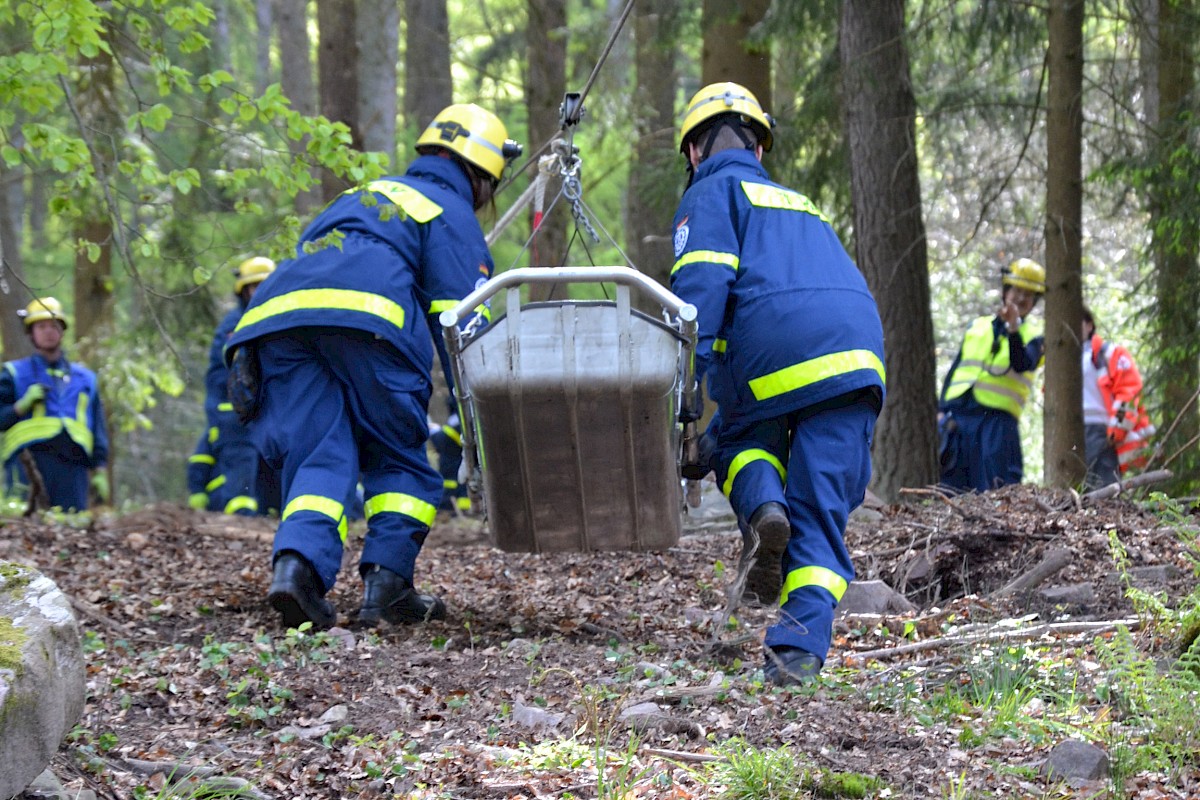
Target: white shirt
point(1094, 412)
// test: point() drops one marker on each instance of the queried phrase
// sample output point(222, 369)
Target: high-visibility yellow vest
point(989, 376)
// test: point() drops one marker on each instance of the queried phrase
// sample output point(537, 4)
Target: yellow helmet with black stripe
point(726, 98)
point(474, 133)
point(1025, 273)
point(251, 271)
point(43, 308)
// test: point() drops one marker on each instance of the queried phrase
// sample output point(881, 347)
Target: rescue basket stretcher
point(570, 409)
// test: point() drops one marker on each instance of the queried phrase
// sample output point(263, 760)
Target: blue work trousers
point(63, 466)
point(237, 463)
point(983, 449)
point(817, 463)
point(338, 402)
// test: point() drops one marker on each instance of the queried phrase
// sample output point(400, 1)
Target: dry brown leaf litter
point(537, 649)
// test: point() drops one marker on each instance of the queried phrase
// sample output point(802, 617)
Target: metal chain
point(572, 188)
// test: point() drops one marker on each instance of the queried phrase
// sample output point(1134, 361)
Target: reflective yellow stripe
point(331, 299)
point(463, 503)
point(709, 256)
point(201, 458)
point(452, 435)
point(321, 505)
point(398, 503)
point(438, 306)
point(719, 345)
point(215, 483)
point(78, 428)
point(817, 369)
point(412, 202)
point(764, 196)
point(747, 456)
point(449, 483)
point(224, 406)
point(213, 434)
point(240, 502)
point(28, 431)
point(827, 579)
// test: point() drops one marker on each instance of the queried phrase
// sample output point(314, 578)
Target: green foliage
point(750, 773)
point(1157, 730)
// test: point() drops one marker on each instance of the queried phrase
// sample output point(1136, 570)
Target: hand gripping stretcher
point(571, 435)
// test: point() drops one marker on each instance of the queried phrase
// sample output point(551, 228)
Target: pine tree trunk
point(427, 86)
point(890, 236)
point(545, 86)
point(1065, 464)
point(296, 77)
point(655, 175)
point(378, 24)
point(337, 67)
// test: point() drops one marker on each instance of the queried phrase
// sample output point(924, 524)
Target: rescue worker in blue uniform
point(989, 384)
point(51, 407)
point(201, 467)
point(338, 341)
point(791, 342)
point(446, 439)
point(237, 481)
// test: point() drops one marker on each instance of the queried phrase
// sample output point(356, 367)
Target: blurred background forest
point(148, 146)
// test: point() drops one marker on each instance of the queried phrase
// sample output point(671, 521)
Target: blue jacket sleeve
point(8, 396)
point(707, 249)
point(99, 433)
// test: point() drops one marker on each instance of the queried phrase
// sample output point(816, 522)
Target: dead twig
point(940, 494)
point(682, 755)
point(1055, 559)
point(1114, 489)
point(1009, 635)
point(38, 496)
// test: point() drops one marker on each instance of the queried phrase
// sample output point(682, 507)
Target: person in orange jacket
point(1116, 427)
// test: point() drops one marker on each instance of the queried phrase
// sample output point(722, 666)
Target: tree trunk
point(1065, 464)
point(546, 83)
point(263, 76)
point(427, 85)
point(728, 54)
point(654, 176)
point(103, 128)
point(296, 77)
point(378, 24)
point(890, 236)
point(1174, 242)
point(12, 273)
point(337, 60)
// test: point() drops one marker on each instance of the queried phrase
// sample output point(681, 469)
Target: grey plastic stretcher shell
point(570, 412)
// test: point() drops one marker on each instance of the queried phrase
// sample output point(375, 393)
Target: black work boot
point(389, 596)
point(297, 594)
point(765, 541)
point(790, 666)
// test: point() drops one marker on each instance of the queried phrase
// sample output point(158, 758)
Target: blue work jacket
point(386, 260)
point(72, 405)
point(785, 317)
point(217, 407)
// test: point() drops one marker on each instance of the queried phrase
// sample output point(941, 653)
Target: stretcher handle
point(627, 276)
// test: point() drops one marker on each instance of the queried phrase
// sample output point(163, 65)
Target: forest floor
point(548, 665)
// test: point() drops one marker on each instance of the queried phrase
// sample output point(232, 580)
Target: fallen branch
point(1018, 635)
point(1055, 559)
point(206, 781)
point(1114, 489)
point(682, 755)
point(92, 613)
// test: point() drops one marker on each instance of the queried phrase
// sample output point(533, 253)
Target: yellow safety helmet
point(726, 98)
point(43, 308)
point(251, 271)
point(475, 134)
point(1025, 273)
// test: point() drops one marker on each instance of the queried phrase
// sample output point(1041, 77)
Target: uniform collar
point(60, 364)
point(444, 171)
point(730, 158)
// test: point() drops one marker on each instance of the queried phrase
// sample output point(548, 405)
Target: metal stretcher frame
point(570, 409)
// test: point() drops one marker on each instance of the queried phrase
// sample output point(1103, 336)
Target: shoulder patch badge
point(681, 236)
